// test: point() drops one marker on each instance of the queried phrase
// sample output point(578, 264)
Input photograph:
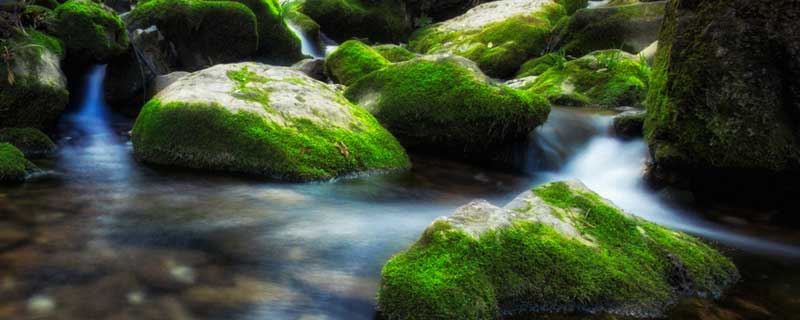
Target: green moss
point(207, 136)
point(204, 32)
point(604, 78)
point(631, 266)
point(539, 65)
point(352, 61)
point(32, 142)
point(381, 21)
point(13, 165)
point(275, 39)
point(302, 21)
point(394, 53)
point(573, 5)
point(441, 104)
point(89, 30)
point(245, 92)
point(498, 48)
point(30, 101)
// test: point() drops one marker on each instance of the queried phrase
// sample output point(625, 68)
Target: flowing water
point(108, 237)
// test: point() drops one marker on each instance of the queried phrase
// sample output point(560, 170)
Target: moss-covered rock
point(34, 92)
point(445, 104)
point(32, 142)
point(539, 65)
point(499, 36)
point(352, 61)
point(630, 28)
point(261, 120)
point(629, 124)
point(559, 248)
point(202, 32)
point(276, 41)
point(394, 53)
point(380, 21)
point(609, 78)
point(302, 23)
point(724, 99)
point(90, 31)
point(13, 165)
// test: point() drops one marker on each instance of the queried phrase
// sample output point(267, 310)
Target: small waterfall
point(308, 46)
point(579, 145)
point(597, 4)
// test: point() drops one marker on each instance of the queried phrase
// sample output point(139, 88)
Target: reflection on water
point(109, 238)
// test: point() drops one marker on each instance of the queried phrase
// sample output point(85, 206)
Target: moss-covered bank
point(32, 142)
point(560, 248)
point(90, 31)
point(13, 165)
point(445, 103)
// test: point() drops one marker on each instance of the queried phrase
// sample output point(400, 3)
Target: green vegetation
point(381, 21)
point(445, 103)
point(394, 53)
point(89, 30)
point(275, 38)
point(627, 266)
point(32, 142)
point(498, 48)
point(32, 90)
point(539, 65)
point(352, 61)
point(13, 165)
point(607, 78)
point(204, 32)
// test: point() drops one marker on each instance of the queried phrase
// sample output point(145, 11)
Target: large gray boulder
point(262, 120)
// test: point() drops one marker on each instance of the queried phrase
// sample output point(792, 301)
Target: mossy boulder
point(539, 65)
point(276, 41)
point(261, 120)
point(629, 27)
point(32, 142)
point(202, 32)
point(380, 21)
point(724, 99)
point(609, 78)
point(445, 104)
point(394, 53)
point(559, 248)
point(352, 61)
point(13, 165)
point(90, 31)
point(34, 93)
point(499, 36)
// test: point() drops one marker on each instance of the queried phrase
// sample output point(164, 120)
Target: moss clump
point(380, 21)
point(539, 65)
point(619, 264)
point(302, 21)
point(573, 5)
point(13, 165)
point(630, 28)
point(352, 61)
point(37, 95)
point(498, 48)
point(204, 32)
point(276, 40)
point(446, 104)
point(394, 53)
point(89, 30)
point(32, 142)
point(605, 78)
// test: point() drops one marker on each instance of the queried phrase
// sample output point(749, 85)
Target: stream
point(108, 237)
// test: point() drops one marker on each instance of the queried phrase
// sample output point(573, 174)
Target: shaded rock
point(202, 33)
point(381, 21)
point(32, 142)
point(559, 248)
point(630, 28)
point(724, 100)
point(314, 68)
point(629, 124)
point(262, 120)
point(276, 41)
point(163, 81)
point(445, 104)
point(34, 93)
point(499, 36)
